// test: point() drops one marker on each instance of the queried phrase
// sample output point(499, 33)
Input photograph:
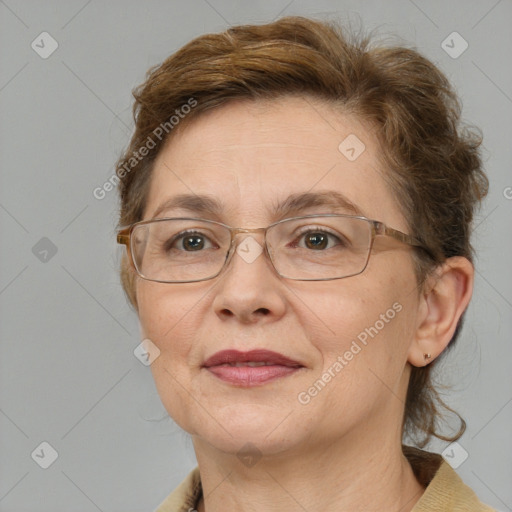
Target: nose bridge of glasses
point(237, 231)
point(260, 241)
point(245, 231)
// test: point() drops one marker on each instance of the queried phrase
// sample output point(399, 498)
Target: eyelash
point(168, 245)
point(318, 229)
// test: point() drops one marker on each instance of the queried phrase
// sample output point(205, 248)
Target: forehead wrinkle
point(263, 144)
point(296, 204)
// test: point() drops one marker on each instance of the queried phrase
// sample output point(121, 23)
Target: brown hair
point(433, 163)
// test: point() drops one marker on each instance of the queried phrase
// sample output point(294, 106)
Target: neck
point(327, 477)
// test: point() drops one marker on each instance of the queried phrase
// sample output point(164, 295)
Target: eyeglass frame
point(378, 228)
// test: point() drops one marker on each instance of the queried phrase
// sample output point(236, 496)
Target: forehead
point(251, 157)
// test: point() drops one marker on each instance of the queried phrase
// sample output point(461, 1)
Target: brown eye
point(319, 240)
point(316, 241)
point(188, 242)
point(193, 242)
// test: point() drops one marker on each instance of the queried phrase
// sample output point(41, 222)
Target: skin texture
point(342, 450)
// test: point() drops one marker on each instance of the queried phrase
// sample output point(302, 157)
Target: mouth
point(253, 368)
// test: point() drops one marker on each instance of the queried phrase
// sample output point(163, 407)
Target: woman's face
point(351, 334)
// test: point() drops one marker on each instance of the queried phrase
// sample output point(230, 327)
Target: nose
point(249, 289)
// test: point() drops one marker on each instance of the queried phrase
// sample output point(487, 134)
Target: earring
point(427, 357)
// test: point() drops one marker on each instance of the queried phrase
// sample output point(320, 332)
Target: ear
point(442, 302)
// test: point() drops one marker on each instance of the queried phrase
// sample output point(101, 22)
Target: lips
point(252, 368)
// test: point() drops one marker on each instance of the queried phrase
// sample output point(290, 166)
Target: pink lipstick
point(252, 368)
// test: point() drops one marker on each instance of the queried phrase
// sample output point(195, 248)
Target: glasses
point(309, 248)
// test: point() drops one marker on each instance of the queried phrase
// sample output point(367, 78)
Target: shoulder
point(184, 498)
point(445, 491)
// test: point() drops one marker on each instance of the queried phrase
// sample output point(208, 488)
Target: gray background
point(68, 375)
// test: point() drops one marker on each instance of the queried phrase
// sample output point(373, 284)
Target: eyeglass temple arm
point(123, 236)
point(382, 229)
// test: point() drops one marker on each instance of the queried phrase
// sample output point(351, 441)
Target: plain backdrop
point(68, 374)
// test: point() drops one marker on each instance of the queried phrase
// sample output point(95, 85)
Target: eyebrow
point(294, 204)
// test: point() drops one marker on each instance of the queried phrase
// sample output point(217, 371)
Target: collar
point(445, 491)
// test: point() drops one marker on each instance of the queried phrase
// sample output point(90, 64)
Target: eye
point(189, 241)
point(318, 239)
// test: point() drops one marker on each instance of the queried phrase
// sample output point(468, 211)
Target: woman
point(297, 210)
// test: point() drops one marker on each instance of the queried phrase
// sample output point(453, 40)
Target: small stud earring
point(427, 357)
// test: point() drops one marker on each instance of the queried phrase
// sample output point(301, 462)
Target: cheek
point(369, 326)
point(166, 318)
point(358, 310)
point(162, 309)
point(362, 368)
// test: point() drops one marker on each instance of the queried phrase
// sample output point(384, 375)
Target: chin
point(250, 425)
point(248, 442)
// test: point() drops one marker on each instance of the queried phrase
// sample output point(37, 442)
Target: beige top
point(445, 491)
